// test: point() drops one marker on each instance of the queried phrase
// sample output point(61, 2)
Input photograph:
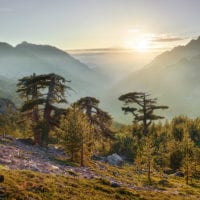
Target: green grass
point(31, 185)
point(175, 188)
point(62, 161)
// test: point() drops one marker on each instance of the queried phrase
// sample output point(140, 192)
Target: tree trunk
point(35, 116)
point(187, 174)
point(82, 154)
point(47, 109)
point(72, 156)
point(145, 117)
point(37, 136)
point(149, 171)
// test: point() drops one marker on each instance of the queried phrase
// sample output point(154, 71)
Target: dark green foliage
point(125, 146)
point(178, 124)
point(194, 130)
point(164, 149)
point(100, 120)
point(75, 134)
point(41, 95)
point(176, 159)
point(143, 110)
point(137, 130)
point(30, 104)
point(9, 121)
point(126, 143)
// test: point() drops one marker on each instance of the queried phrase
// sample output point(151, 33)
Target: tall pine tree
point(41, 95)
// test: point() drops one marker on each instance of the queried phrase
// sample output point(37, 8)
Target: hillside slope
point(31, 172)
point(26, 58)
point(172, 77)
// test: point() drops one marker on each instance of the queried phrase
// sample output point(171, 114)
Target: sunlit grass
point(29, 184)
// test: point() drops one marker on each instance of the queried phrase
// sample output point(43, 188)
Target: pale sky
point(83, 24)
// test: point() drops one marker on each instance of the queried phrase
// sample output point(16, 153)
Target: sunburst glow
point(142, 46)
point(140, 42)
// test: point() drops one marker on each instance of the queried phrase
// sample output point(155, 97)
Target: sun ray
point(140, 42)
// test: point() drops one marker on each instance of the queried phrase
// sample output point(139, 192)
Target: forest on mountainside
point(85, 132)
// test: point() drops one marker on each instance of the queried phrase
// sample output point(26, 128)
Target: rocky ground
point(18, 156)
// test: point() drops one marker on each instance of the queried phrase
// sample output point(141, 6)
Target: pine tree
point(145, 156)
point(188, 149)
point(41, 95)
point(75, 131)
point(143, 112)
point(100, 120)
point(144, 109)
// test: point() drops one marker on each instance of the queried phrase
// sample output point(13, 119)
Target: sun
point(139, 41)
point(142, 46)
point(139, 45)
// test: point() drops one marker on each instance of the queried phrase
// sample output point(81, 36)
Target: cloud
point(167, 39)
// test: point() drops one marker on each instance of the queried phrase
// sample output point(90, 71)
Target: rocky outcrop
point(17, 155)
point(115, 159)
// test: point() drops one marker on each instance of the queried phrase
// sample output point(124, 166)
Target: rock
point(57, 152)
point(54, 167)
point(115, 159)
point(5, 161)
point(115, 184)
point(179, 174)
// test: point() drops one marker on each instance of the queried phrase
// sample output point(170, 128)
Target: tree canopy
point(144, 108)
point(41, 95)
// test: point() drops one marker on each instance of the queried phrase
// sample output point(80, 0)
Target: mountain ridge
point(170, 76)
point(189, 50)
point(173, 77)
point(27, 58)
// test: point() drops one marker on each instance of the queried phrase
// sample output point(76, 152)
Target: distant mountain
point(178, 53)
point(114, 63)
point(26, 58)
point(173, 77)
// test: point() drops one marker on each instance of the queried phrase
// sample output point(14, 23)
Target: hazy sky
point(76, 24)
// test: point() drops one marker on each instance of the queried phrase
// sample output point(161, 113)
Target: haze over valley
point(172, 76)
point(99, 99)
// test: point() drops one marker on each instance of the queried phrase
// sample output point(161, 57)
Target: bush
point(176, 159)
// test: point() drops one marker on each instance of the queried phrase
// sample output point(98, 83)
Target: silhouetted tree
point(99, 119)
point(28, 89)
point(144, 110)
point(40, 94)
